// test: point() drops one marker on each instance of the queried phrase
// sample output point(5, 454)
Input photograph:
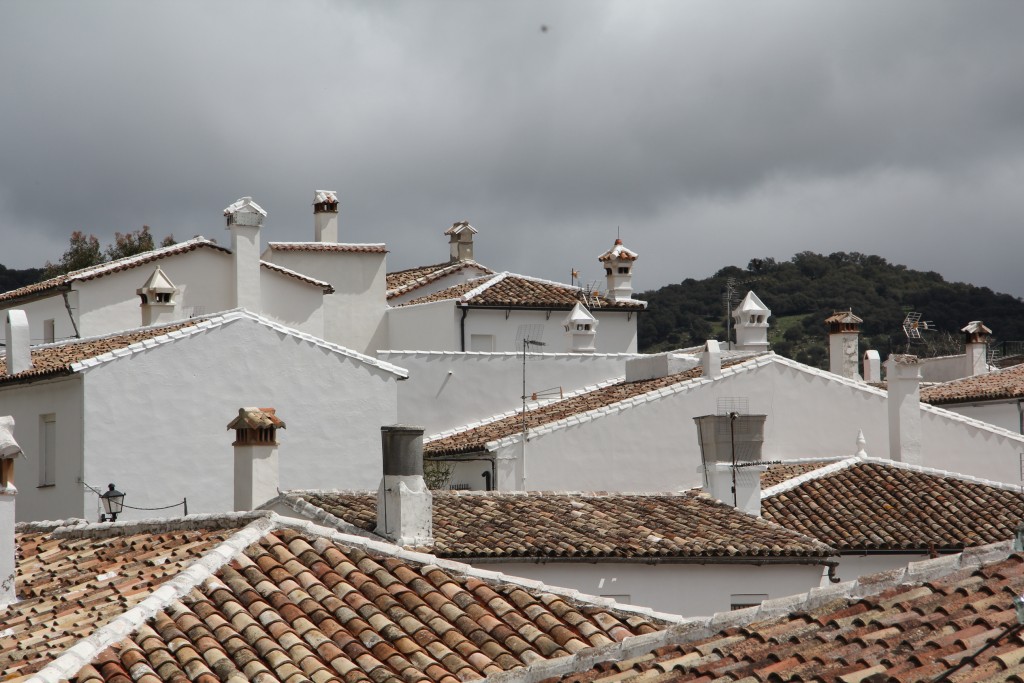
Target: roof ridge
point(477, 291)
point(946, 474)
point(433, 275)
point(512, 354)
point(270, 265)
point(817, 473)
point(347, 244)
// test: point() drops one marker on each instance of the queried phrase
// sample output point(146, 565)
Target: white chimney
point(256, 467)
point(872, 367)
point(405, 505)
point(9, 451)
point(618, 268)
point(655, 365)
point(16, 334)
point(711, 360)
point(730, 447)
point(843, 352)
point(460, 241)
point(325, 216)
point(244, 219)
point(158, 299)
point(903, 378)
point(751, 323)
point(580, 330)
point(976, 337)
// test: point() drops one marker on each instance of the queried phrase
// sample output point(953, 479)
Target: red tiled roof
point(325, 286)
point(913, 631)
point(293, 605)
point(776, 474)
point(577, 525)
point(57, 359)
point(329, 246)
point(405, 281)
point(516, 291)
point(882, 506)
point(1006, 384)
point(474, 439)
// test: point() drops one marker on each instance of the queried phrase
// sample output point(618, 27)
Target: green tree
point(83, 251)
point(131, 243)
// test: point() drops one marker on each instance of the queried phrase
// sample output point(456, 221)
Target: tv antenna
point(913, 326)
point(527, 336)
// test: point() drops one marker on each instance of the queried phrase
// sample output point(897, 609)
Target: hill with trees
point(804, 290)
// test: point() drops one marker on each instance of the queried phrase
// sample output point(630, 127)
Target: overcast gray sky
point(710, 133)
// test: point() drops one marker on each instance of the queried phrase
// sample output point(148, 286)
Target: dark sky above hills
point(710, 133)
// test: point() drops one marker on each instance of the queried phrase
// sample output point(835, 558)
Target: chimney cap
point(399, 428)
point(325, 197)
point(9, 448)
point(245, 212)
point(256, 418)
point(618, 251)
point(976, 327)
point(903, 359)
point(843, 318)
point(460, 227)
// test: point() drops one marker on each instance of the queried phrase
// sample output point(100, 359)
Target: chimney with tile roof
point(256, 468)
point(244, 219)
point(460, 241)
point(618, 268)
point(843, 332)
point(872, 367)
point(9, 451)
point(159, 299)
point(16, 336)
point(580, 330)
point(976, 337)
point(730, 451)
point(751, 323)
point(903, 380)
point(711, 360)
point(325, 216)
point(404, 503)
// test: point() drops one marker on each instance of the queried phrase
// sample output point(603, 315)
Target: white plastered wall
point(155, 421)
point(616, 331)
point(28, 403)
point(292, 302)
point(433, 326)
point(1005, 414)
point(944, 368)
point(446, 390)
point(50, 308)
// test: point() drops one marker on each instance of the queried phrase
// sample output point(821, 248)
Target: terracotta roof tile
point(572, 525)
point(776, 474)
point(405, 281)
point(508, 290)
point(882, 506)
point(1002, 384)
point(329, 247)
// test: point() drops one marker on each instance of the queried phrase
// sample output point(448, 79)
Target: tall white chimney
point(325, 216)
point(751, 323)
point(872, 367)
point(405, 512)
point(460, 241)
point(256, 467)
point(711, 360)
point(976, 337)
point(618, 269)
point(9, 451)
point(730, 448)
point(16, 336)
point(903, 378)
point(843, 351)
point(244, 219)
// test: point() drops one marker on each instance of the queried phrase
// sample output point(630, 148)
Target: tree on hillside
point(84, 250)
point(131, 243)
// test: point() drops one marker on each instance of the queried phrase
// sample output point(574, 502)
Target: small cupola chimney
point(9, 452)
point(16, 336)
point(460, 241)
point(872, 367)
point(244, 219)
point(405, 512)
point(618, 269)
point(730, 451)
point(580, 330)
point(158, 299)
point(843, 349)
point(711, 360)
point(325, 216)
point(751, 323)
point(256, 468)
point(903, 381)
point(976, 337)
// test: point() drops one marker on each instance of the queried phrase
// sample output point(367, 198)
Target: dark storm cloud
point(711, 133)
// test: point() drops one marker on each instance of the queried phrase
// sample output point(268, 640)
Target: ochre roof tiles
point(405, 281)
point(1001, 384)
point(339, 247)
point(507, 290)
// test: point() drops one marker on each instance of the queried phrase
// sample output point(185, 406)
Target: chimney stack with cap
point(460, 241)
point(976, 337)
point(618, 269)
point(843, 351)
point(872, 367)
point(244, 219)
point(16, 336)
point(404, 503)
point(325, 216)
point(256, 468)
point(730, 448)
point(9, 451)
point(903, 380)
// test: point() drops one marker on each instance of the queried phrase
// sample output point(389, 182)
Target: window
point(607, 271)
point(48, 335)
point(47, 450)
point(744, 600)
point(582, 327)
point(481, 342)
point(623, 270)
point(163, 297)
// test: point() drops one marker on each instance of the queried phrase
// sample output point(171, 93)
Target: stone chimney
point(580, 330)
point(256, 468)
point(159, 299)
point(872, 367)
point(903, 379)
point(843, 352)
point(244, 219)
point(730, 447)
point(405, 512)
point(9, 451)
point(618, 269)
point(751, 323)
point(976, 337)
point(16, 336)
point(711, 360)
point(325, 216)
point(460, 241)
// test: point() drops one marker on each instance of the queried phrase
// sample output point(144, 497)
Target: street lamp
point(113, 503)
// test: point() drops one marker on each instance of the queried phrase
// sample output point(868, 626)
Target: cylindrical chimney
point(402, 447)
